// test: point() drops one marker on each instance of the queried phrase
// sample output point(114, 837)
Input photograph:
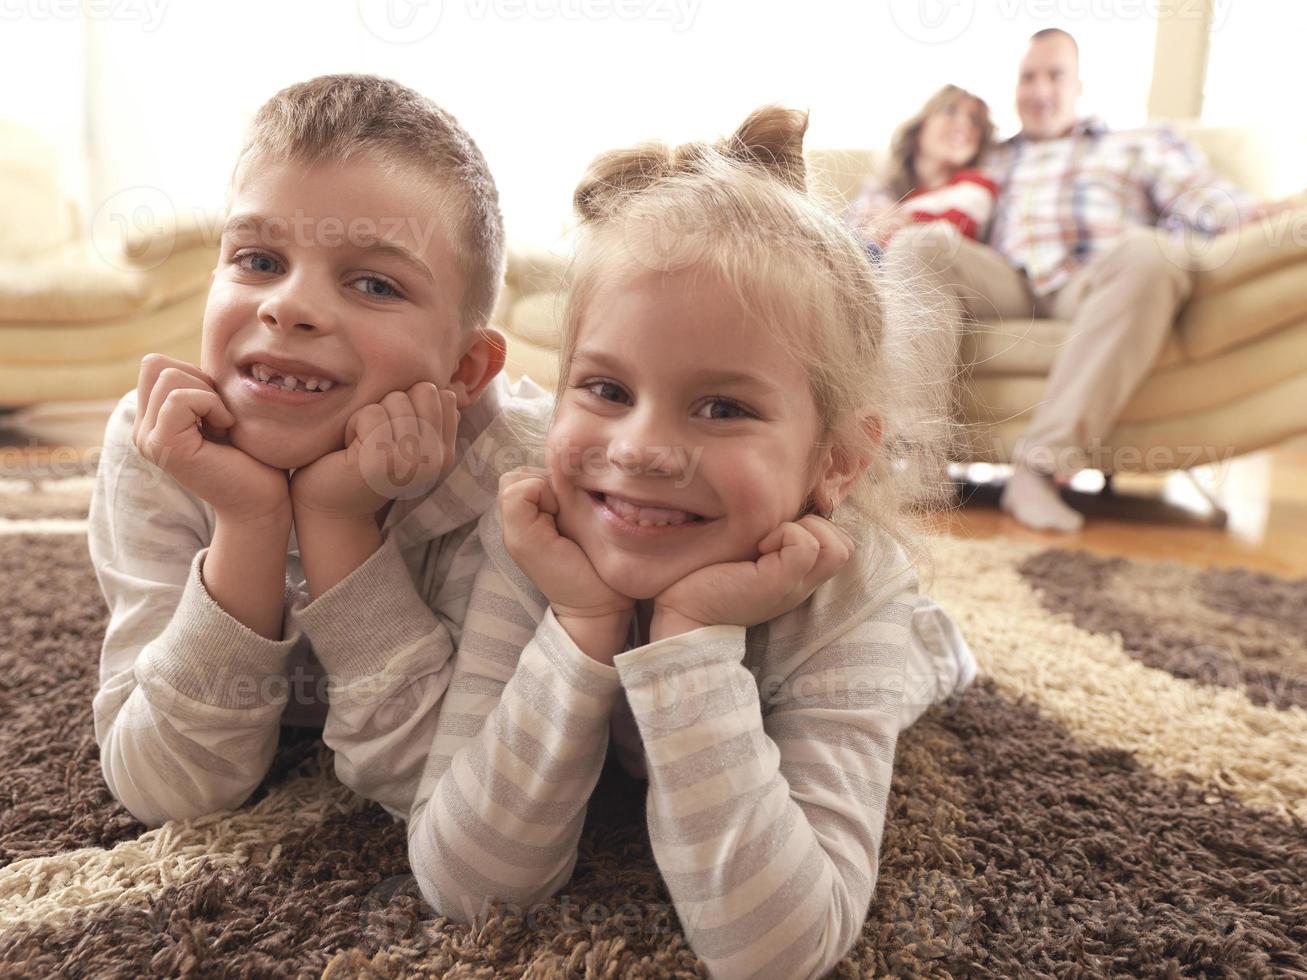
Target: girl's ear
point(478, 365)
point(844, 465)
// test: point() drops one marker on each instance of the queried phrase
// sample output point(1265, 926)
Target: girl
point(713, 559)
point(931, 174)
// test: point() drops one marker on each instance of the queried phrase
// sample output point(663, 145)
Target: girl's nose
point(635, 457)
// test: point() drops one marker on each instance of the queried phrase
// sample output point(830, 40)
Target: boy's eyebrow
point(703, 377)
point(249, 219)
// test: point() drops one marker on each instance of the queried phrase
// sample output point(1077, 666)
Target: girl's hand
point(397, 447)
point(595, 616)
point(182, 425)
point(795, 558)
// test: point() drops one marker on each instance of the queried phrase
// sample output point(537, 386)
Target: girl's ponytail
point(770, 140)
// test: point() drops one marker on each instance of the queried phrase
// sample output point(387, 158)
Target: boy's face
point(332, 273)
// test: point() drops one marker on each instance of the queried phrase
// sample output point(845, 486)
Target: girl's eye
point(386, 287)
point(248, 260)
point(725, 408)
point(609, 391)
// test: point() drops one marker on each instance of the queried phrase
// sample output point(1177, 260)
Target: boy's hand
point(182, 426)
point(595, 616)
point(795, 558)
point(397, 447)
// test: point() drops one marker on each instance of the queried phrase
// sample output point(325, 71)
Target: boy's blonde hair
point(342, 117)
point(741, 211)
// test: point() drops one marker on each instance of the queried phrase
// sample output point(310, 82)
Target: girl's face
point(951, 135)
point(684, 435)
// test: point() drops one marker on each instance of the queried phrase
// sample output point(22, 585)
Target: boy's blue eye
point(265, 264)
point(242, 258)
point(387, 288)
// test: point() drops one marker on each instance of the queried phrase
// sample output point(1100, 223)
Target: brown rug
point(1123, 791)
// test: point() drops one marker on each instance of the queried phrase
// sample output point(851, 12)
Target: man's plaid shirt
point(1062, 201)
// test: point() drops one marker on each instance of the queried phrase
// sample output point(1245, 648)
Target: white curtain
point(154, 94)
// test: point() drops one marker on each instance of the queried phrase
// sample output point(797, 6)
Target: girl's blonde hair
point(741, 212)
point(901, 168)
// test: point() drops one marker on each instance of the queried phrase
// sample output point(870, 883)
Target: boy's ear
point(844, 466)
point(477, 367)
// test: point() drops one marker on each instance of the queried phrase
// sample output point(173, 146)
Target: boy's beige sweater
point(768, 751)
point(190, 701)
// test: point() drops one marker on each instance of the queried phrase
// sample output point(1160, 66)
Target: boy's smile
point(335, 285)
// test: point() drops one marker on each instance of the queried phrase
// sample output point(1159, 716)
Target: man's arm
point(1187, 193)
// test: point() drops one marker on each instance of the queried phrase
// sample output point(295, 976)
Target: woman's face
point(951, 135)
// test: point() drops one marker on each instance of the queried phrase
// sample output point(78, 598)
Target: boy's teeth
point(288, 382)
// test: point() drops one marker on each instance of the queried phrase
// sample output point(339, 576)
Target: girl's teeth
point(647, 516)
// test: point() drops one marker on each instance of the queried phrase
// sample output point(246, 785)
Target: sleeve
point(519, 747)
point(387, 655)
point(187, 712)
point(1187, 194)
point(766, 825)
point(966, 201)
point(872, 203)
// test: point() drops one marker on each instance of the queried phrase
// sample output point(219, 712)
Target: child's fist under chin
point(594, 615)
point(793, 560)
point(395, 448)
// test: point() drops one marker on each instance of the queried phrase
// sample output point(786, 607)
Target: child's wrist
point(332, 546)
point(667, 622)
point(272, 524)
point(601, 638)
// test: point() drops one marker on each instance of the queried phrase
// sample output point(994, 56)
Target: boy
point(271, 520)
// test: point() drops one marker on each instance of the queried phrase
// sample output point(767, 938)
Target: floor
point(1264, 495)
point(1155, 517)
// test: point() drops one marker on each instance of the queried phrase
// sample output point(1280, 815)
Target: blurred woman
point(931, 174)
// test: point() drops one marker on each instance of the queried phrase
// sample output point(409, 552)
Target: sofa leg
point(1219, 515)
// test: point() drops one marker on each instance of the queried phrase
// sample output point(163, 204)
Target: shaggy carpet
point(1122, 791)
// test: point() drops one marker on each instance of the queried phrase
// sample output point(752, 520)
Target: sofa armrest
point(170, 234)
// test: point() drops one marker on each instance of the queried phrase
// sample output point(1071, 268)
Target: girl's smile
point(696, 427)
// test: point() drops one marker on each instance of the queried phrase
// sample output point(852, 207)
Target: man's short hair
point(1052, 32)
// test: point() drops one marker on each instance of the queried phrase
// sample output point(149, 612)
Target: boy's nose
point(294, 308)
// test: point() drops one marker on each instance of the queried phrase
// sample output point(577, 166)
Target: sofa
point(1232, 379)
point(75, 319)
point(77, 314)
